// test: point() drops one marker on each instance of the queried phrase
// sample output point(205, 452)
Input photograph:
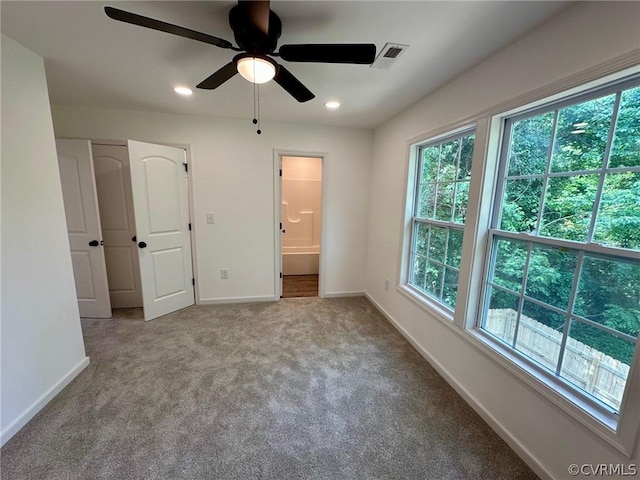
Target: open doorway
point(301, 224)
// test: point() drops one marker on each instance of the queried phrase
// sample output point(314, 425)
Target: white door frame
point(277, 209)
point(190, 194)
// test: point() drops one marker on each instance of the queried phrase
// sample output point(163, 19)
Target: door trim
point(277, 201)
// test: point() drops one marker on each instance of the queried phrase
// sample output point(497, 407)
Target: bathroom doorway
point(301, 225)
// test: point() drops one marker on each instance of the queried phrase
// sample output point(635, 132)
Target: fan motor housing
point(249, 37)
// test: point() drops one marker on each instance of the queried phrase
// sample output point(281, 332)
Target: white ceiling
point(92, 60)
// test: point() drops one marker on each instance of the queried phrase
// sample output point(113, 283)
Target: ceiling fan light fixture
point(332, 104)
point(256, 69)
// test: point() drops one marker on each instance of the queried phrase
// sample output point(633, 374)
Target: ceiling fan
point(256, 30)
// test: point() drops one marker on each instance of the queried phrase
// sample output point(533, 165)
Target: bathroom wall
point(301, 202)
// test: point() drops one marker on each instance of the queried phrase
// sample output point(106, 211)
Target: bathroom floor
point(299, 286)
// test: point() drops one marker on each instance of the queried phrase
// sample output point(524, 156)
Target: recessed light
point(332, 105)
point(183, 91)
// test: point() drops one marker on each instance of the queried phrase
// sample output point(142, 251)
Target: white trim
point(22, 419)
point(495, 425)
point(343, 294)
point(278, 153)
point(221, 301)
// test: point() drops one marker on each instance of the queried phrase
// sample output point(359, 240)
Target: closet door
point(159, 180)
point(113, 183)
point(83, 226)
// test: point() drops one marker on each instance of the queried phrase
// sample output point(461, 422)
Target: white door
point(113, 183)
point(159, 182)
point(83, 225)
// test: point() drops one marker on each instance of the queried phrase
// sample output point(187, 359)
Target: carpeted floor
point(300, 389)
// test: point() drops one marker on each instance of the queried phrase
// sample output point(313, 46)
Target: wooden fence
point(598, 374)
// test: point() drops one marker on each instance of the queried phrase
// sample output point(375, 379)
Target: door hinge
point(189, 226)
point(280, 225)
point(193, 282)
point(186, 167)
point(280, 172)
point(280, 274)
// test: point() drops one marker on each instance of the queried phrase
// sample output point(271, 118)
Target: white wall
point(232, 175)
point(587, 35)
point(42, 347)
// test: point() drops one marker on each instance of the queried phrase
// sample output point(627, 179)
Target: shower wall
point(301, 214)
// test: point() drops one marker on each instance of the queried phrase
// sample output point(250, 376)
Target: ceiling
point(92, 60)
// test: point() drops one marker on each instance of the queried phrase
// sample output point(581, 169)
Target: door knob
point(142, 245)
point(94, 243)
point(133, 239)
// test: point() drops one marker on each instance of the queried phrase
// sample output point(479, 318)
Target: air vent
point(388, 55)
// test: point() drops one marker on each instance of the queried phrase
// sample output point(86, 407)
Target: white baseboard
point(343, 294)
point(39, 404)
point(497, 427)
point(217, 301)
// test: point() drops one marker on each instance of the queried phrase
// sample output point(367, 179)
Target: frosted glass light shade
point(255, 69)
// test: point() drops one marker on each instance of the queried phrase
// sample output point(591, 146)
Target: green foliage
point(609, 290)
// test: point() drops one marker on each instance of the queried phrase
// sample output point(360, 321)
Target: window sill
point(427, 304)
point(590, 414)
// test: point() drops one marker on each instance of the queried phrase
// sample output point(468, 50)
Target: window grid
point(432, 217)
point(534, 238)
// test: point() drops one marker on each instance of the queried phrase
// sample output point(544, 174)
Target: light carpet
point(299, 389)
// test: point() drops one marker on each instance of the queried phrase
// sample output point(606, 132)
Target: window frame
point(413, 169)
point(599, 418)
point(489, 124)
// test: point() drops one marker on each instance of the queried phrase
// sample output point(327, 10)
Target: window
point(563, 267)
point(438, 215)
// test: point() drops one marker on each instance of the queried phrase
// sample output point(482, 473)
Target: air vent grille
point(388, 55)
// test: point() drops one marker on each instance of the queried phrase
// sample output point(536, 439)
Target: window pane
point(590, 363)
point(508, 270)
point(530, 143)
point(444, 201)
point(520, 205)
point(437, 243)
point(550, 275)
point(430, 159)
point(433, 281)
point(462, 196)
point(418, 272)
point(618, 222)
point(500, 319)
point(426, 201)
point(466, 152)
point(454, 249)
point(625, 151)
point(568, 205)
point(581, 135)
point(447, 171)
point(540, 334)
point(450, 287)
point(421, 238)
point(609, 294)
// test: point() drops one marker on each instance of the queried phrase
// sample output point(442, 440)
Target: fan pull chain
point(256, 102)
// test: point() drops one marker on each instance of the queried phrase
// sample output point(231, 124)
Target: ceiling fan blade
point(147, 22)
point(359, 53)
point(257, 11)
point(218, 78)
point(292, 85)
